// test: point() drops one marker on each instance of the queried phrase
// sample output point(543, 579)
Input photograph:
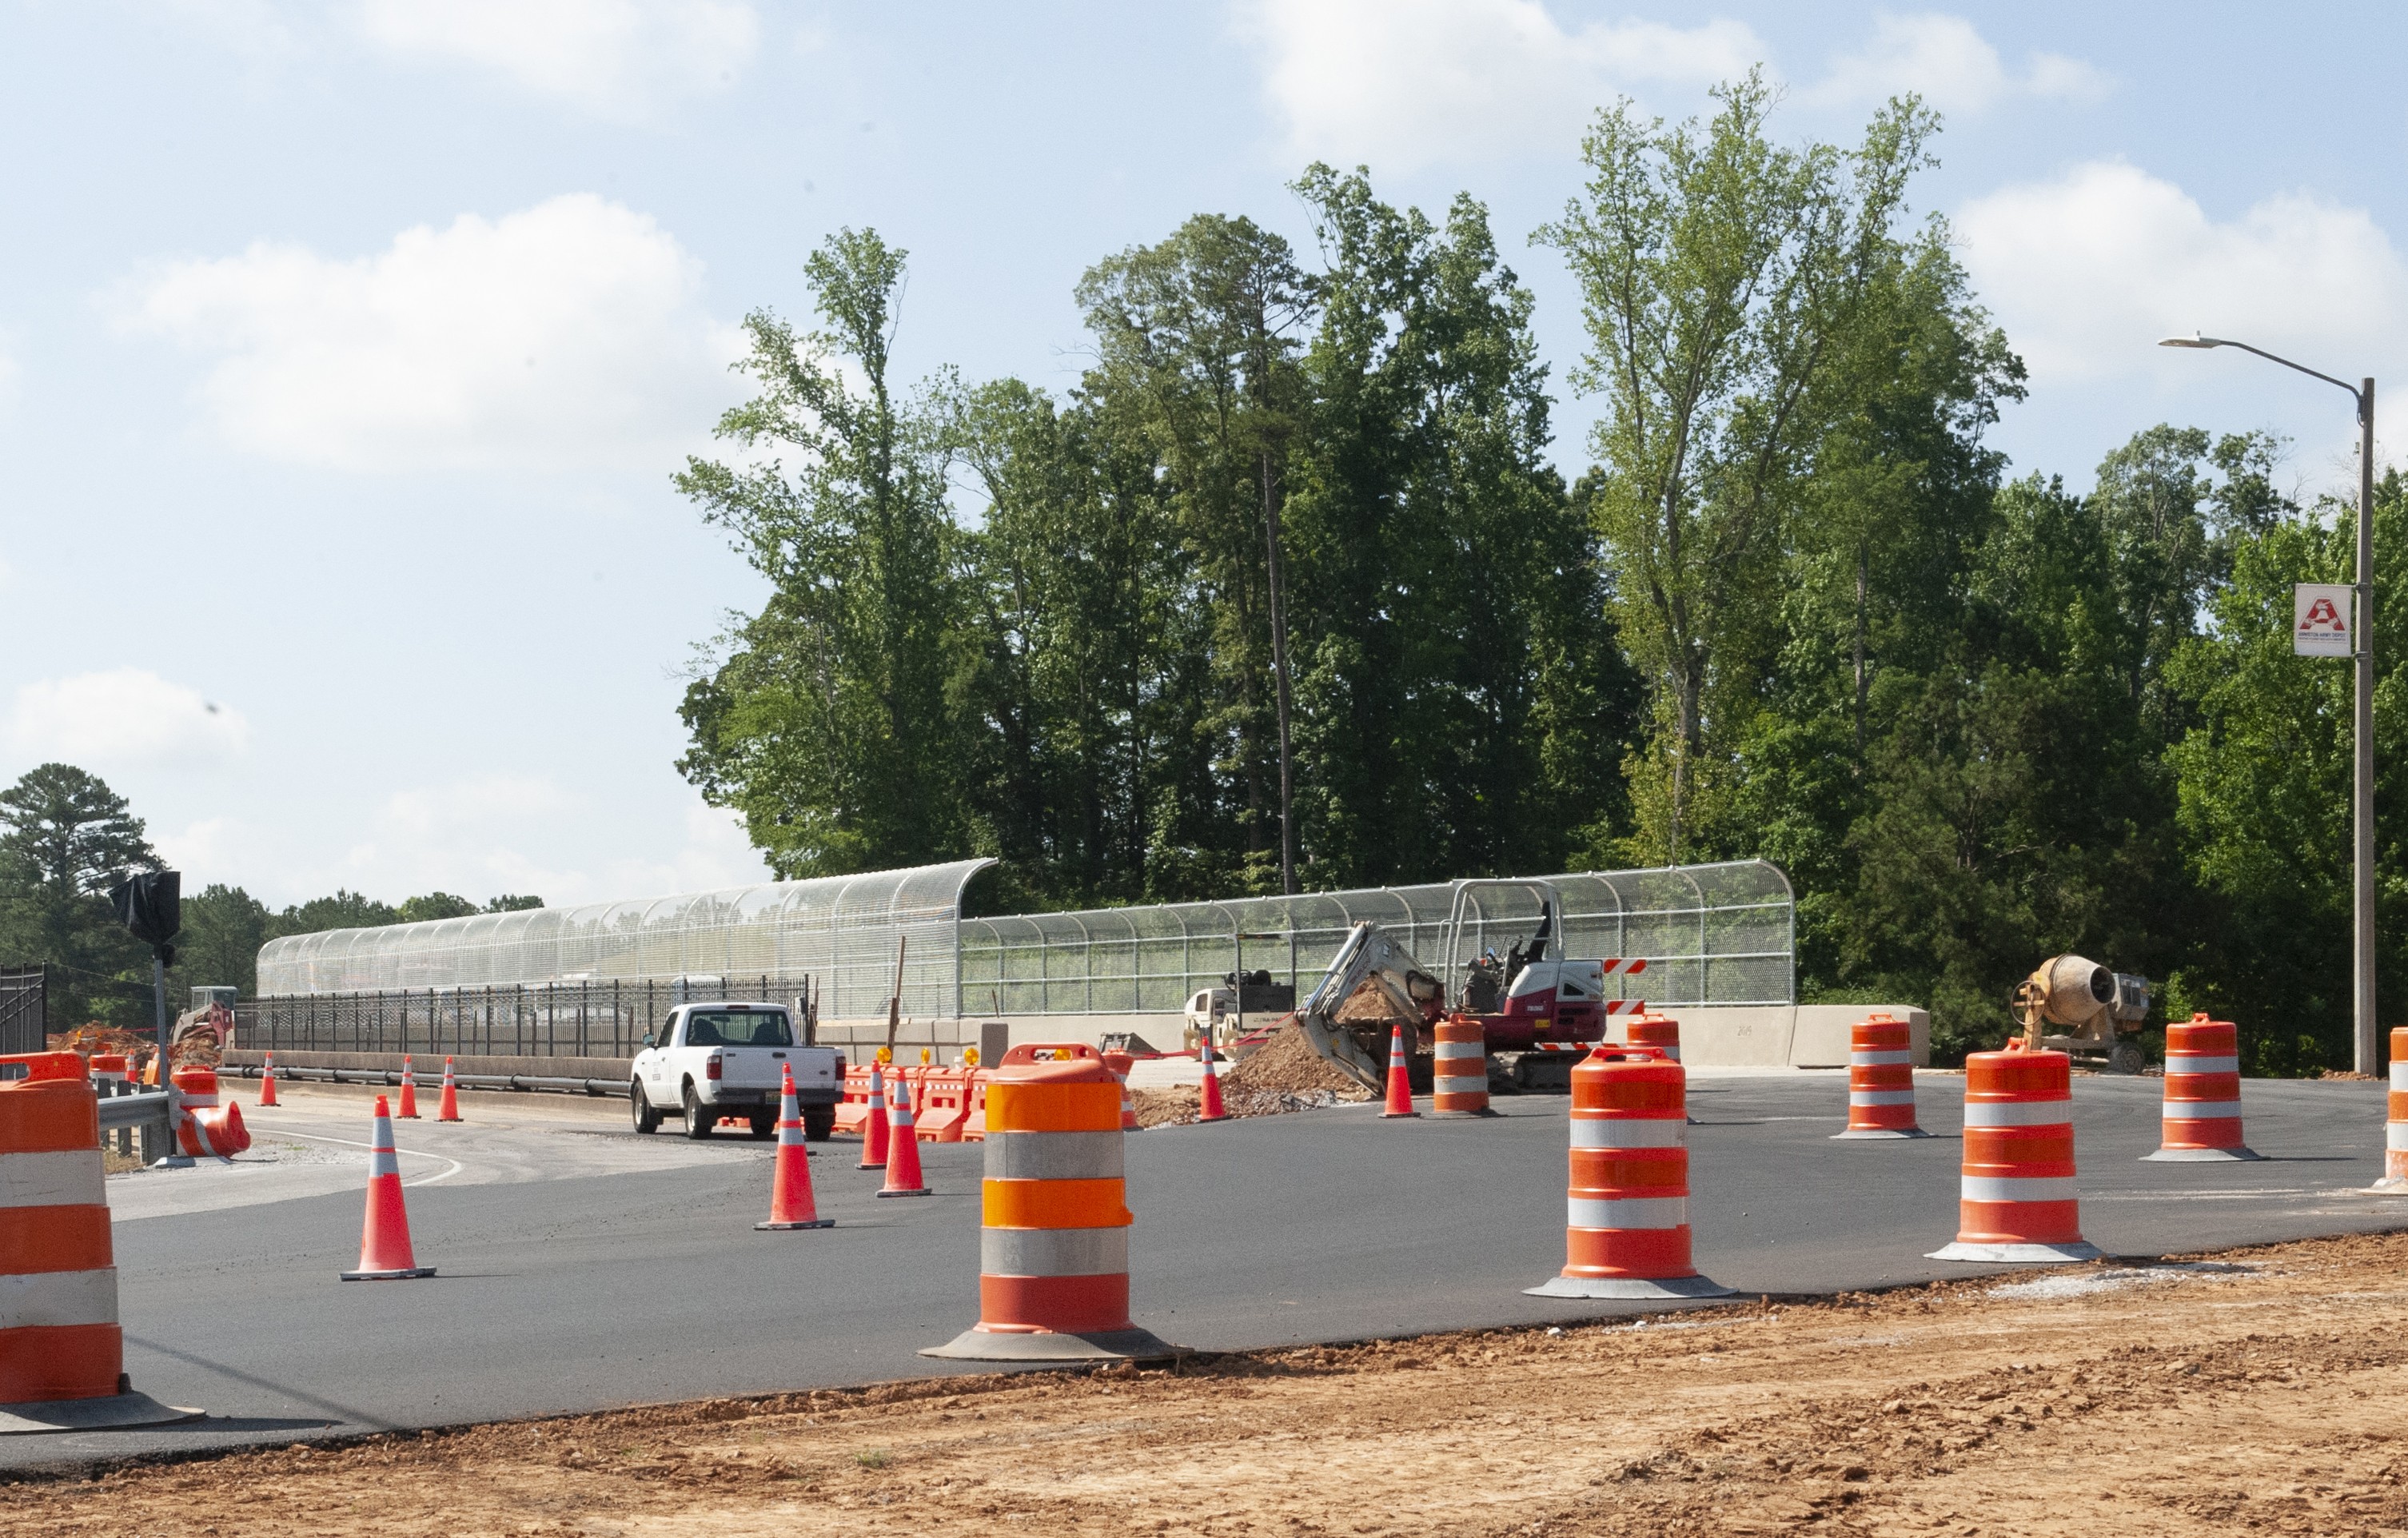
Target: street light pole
point(2366, 1042)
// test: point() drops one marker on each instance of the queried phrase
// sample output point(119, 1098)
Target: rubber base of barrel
point(2047, 1255)
point(815, 1223)
point(2388, 1185)
point(1629, 1286)
point(920, 1192)
point(1881, 1132)
point(385, 1275)
point(2199, 1155)
point(1460, 1115)
point(89, 1415)
point(981, 1345)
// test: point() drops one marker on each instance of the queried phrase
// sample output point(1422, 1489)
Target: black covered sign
point(150, 903)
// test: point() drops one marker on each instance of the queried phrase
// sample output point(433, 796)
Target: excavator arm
point(1372, 986)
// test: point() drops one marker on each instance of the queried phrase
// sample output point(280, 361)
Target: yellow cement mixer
point(2096, 1011)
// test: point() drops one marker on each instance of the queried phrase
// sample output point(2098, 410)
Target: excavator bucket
point(1372, 985)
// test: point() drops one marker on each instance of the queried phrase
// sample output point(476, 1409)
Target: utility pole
point(2367, 1047)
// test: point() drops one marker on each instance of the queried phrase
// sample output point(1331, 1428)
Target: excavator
point(1536, 1013)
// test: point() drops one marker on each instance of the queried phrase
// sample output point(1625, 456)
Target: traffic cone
point(1212, 1107)
point(384, 1238)
point(267, 1079)
point(790, 1195)
point(448, 1109)
point(876, 1135)
point(1400, 1083)
point(903, 1151)
point(409, 1111)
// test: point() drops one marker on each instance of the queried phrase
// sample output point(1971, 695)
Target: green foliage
point(434, 905)
point(65, 838)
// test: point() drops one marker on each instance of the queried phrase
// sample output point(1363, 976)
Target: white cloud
point(489, 834)
point(126, 717)
point(616, 57)
point(2088, 271)
point(1409, 81)
point(567, 335)
point(1951, 66)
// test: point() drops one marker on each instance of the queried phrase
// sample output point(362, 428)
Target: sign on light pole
point(2320, 620)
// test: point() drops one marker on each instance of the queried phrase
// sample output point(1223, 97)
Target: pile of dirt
point(1285, 1066)
point(1170, 1107)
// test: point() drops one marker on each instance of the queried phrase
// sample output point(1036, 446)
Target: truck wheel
point(2126, 1058)
point(819, 1122)
point(699, 1122)
point(763, 1123)
point(647, 1119)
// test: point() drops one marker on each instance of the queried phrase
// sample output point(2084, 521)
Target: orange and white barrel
point(2015, 1198)
point(2395, 1130)
point(61, 1353)
point(1881, 1079)
point(1054, 1248)
point(1627, 1222)
point(203, 1128)
point(2200, 1119)
point(1459, 1069)
point(1658, 1031)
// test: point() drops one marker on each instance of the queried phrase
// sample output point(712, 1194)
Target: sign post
point(2321, 620)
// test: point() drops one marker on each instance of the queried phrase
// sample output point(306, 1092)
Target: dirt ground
point(2257, 1391)
point(1284, 1075)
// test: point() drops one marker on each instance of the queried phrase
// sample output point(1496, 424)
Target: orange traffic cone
point(876, 1135)
point(384, 1238)
point(790, 1195)
point(448, 1109)
point(409, 1111)
point(1400, 1083)
point(267, 1079)
point(1212, 1108)
point(903, 1150)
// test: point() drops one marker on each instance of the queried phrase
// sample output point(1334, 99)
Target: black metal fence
point(587, 1018)
point(24, 1009)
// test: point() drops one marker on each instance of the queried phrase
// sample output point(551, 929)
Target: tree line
point(1287, 594)
point(66, 838)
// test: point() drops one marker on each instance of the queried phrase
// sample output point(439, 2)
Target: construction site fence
point(24, 1010)
point(597, 1018)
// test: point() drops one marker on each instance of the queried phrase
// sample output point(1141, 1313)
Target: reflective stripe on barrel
point(1459, 1068)
point(2202, 1094)
point(59, 1337)
point(1880, 1076)
point(2395, 1132)
point(1660, 1031)
point(1053, 1243)
point(2017, 1186)
point(1627, 1213)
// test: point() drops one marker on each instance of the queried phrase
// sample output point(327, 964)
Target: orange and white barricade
point(1119, 1064)
point(2017, 1197)
point(1660, 1031)
point(1881, 1079)
point(61, 1352)
point(1459, 1069)
point(2395, 1128)
point(2201, 1118)
point(1054, 1248)
point(1627, 1220)
point(852, 1110)
point(945, 1107)
point(203, 1128)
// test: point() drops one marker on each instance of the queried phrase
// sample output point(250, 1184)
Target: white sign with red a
point(2320, 618)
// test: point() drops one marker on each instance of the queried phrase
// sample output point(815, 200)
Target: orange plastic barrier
point(1881, 1079)
point(853, 1112)
point(1119, 1064)
point(385, 1255)
point(206, 1128)
point(1460, 1071)
point(59, 1337)
point(2395, 1130)
point(2201, 1118)
point(1660, 1031)
point(1054, 1248)
point(1627, 1218)
point(2017, 1197)
point(945, 1104)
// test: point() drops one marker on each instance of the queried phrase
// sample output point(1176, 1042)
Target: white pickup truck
point(727, 1061)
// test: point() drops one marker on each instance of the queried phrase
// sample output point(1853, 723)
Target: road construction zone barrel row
point(2200, 1120)
point(1881, 1079)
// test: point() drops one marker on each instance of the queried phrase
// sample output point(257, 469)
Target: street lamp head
point(2192, 340)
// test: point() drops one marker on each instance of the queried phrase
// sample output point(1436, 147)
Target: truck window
point(737, 1028)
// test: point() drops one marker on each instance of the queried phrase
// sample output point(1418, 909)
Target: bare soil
point(1283, 1074)
point(2254, 1392)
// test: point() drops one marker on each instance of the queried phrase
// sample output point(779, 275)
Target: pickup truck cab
point(727, 1061)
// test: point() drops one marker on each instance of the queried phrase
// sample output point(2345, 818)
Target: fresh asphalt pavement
point(582, 1267)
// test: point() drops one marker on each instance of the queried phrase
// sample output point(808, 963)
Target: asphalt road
point(582, 1267)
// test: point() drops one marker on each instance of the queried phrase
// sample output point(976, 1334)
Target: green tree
point(345, 909)
point(224, 927)
point(827, 722)
point(65, 838)
point(433, 905)
point(1723, 278)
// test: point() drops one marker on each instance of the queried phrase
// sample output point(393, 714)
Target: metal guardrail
point(156, 1106)
point(391, 1077)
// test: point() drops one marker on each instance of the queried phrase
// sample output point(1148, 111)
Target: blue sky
point(346, 349)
